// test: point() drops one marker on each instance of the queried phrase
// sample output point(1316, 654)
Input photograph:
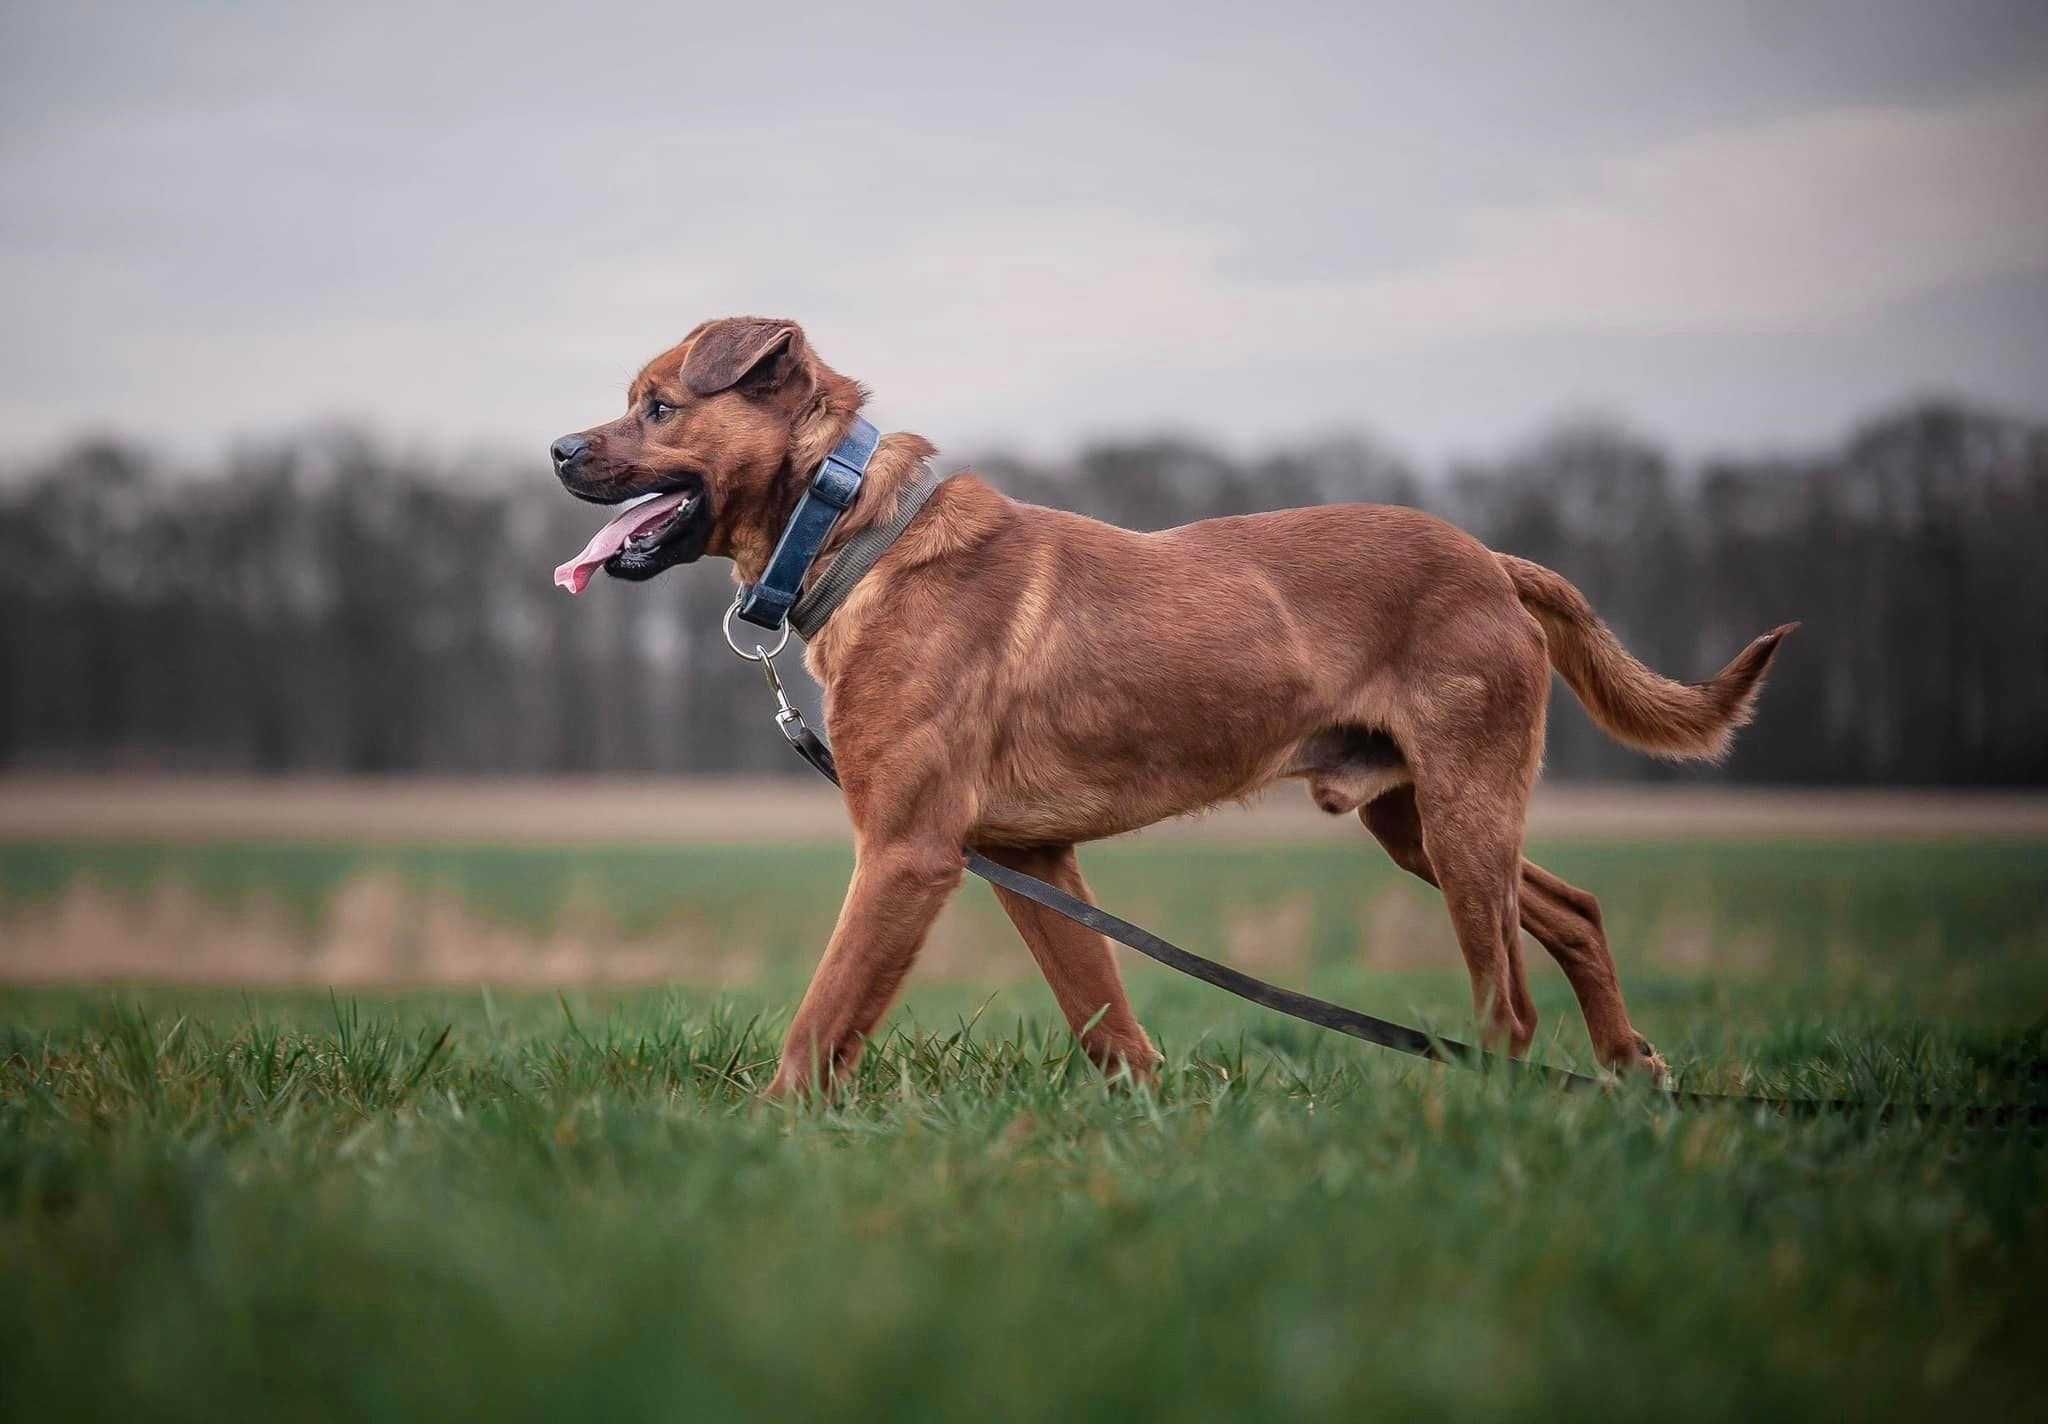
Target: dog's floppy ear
point(740, 349)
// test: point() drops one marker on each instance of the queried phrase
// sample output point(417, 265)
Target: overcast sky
point(1730, 225)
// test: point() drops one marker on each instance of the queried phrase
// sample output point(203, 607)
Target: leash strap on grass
point(1402, 1039)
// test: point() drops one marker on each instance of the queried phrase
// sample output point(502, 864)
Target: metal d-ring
point(760, 654)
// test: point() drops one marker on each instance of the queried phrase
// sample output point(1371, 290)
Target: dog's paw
point(1649, 1061)
point(1129, 1064)
point(1638, 1061)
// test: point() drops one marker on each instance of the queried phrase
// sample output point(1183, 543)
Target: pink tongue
point(648, 512)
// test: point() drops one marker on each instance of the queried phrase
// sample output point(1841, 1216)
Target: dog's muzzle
point(571, 453)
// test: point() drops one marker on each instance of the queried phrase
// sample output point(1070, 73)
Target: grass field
point(460, 1201)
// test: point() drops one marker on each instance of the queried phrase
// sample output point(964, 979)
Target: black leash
point(1383, 1032)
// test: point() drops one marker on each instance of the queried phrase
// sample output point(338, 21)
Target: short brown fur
point(1021, 679)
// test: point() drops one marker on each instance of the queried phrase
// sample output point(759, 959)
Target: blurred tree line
point(330, 606)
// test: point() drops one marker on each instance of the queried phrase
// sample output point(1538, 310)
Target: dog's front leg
point(898, 888)
point(1078, 964)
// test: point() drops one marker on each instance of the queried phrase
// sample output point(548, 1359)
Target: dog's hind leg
point(1561, 917)
point(1499, 977)
point(1077, 963)
point(1566, 921)
point(1472, 731)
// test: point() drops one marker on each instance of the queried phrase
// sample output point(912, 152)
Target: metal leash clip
point(787, 718)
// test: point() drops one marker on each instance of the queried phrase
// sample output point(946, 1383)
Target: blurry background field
point(737, 883)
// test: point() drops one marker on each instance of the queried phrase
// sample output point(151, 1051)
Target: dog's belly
point(1118, 759)
point(1079, 814)
point(1345, 767)
point(1022, 820)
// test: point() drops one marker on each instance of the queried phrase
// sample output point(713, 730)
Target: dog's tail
point(1680, 721)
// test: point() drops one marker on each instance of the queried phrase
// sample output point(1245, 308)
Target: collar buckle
point(829, 493)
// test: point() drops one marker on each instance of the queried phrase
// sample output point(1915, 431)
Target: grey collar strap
point(822, 599)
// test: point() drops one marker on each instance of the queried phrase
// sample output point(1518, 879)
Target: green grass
point(466, 1204)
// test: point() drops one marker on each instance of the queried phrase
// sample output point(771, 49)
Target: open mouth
point(637, 530)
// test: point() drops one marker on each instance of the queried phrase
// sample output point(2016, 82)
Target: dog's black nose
point(568, 450)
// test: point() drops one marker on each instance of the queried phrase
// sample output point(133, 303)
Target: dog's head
point(732, 419)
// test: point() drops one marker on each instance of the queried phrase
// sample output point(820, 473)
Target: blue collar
point(830, 493)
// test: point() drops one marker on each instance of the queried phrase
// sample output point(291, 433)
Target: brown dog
point(1021, 680)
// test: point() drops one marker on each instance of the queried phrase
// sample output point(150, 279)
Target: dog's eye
point(659, 410)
